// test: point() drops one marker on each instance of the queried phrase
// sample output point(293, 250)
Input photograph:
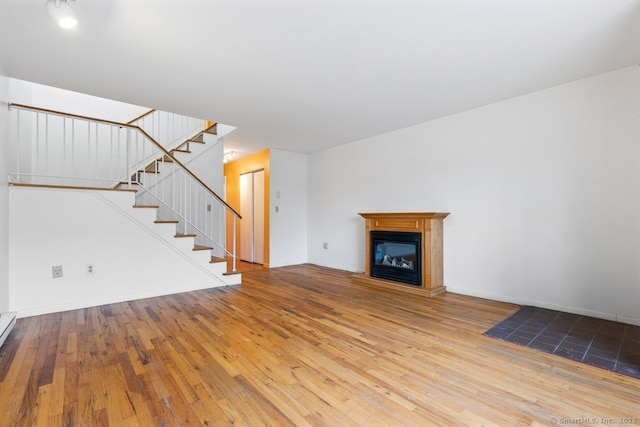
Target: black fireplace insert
point(397, 256)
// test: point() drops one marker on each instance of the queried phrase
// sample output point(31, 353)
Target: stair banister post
point(233, 256)
point(129, 157)
point(186, 202)
point(19, 138)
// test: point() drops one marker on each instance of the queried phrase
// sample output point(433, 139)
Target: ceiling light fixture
point(228, 156)
point(61, 12)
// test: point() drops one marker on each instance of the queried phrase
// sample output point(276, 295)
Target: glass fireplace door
point(396, 256)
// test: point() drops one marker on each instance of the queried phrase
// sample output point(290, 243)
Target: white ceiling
point(303, 75)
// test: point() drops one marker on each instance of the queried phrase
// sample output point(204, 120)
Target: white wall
point(542, 190)
point(4, 193)
point(74, 228)
point(209, 165)
point(288, 225)
point(37, 95)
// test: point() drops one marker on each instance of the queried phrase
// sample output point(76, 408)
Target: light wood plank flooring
point(294, 346)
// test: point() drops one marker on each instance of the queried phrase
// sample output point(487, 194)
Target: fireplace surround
point(391, 239)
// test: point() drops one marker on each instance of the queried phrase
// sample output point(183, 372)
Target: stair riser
point(196, 148)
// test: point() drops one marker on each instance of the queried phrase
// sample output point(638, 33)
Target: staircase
point(89, 153)
point(151, 176)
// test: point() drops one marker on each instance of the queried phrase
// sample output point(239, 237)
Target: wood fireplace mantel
point(430, 225)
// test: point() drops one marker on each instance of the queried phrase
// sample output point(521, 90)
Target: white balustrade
point(169, 129)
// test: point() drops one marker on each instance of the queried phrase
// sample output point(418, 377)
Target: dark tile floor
point(597, 342)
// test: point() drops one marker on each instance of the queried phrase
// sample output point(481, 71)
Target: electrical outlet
point(91, 269)
point(56, 271)
point(209, 208)
point(325, 245)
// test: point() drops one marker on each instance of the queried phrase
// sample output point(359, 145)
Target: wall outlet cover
point(56, 271)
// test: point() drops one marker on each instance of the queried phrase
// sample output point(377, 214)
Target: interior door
point(258, 217)
point(246, 211)
point(252, 212)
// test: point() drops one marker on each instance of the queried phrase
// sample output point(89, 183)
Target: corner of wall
point(4, 193)
point(289, 214)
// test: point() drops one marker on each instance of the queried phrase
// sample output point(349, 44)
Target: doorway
point(252, 212)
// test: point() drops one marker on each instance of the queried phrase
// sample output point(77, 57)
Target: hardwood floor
point(294, 346)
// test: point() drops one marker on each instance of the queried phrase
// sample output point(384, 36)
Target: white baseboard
point(543, 304)
point(7, 320)
point(120, 298)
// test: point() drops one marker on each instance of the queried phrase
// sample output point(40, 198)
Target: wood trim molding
point(71, 187)
point(73, 116)
point(141, 116)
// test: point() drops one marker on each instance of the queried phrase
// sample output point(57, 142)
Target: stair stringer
point(184, 246)
point(199, 159)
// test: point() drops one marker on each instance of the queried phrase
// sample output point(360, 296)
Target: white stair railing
point(60, 149)
point(169, 129)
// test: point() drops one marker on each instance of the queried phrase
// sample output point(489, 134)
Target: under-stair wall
point(132, 256)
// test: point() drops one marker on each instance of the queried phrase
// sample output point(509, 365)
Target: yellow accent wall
point(232, 172)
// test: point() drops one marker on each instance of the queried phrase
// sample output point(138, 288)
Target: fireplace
point(403, 252)
point(396, 256)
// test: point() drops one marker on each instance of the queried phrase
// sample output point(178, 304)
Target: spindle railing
point(169, 129)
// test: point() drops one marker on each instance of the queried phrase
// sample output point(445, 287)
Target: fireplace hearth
point(403, 251)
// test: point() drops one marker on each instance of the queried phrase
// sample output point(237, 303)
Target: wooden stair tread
point(196, 140)
point(185, 235)
point(201, 248)
point(166, 221)
point(231, 273)
point(181, 151)
point(183, 146)
point(146, 206)
point(215, 259)
point(213, 129)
